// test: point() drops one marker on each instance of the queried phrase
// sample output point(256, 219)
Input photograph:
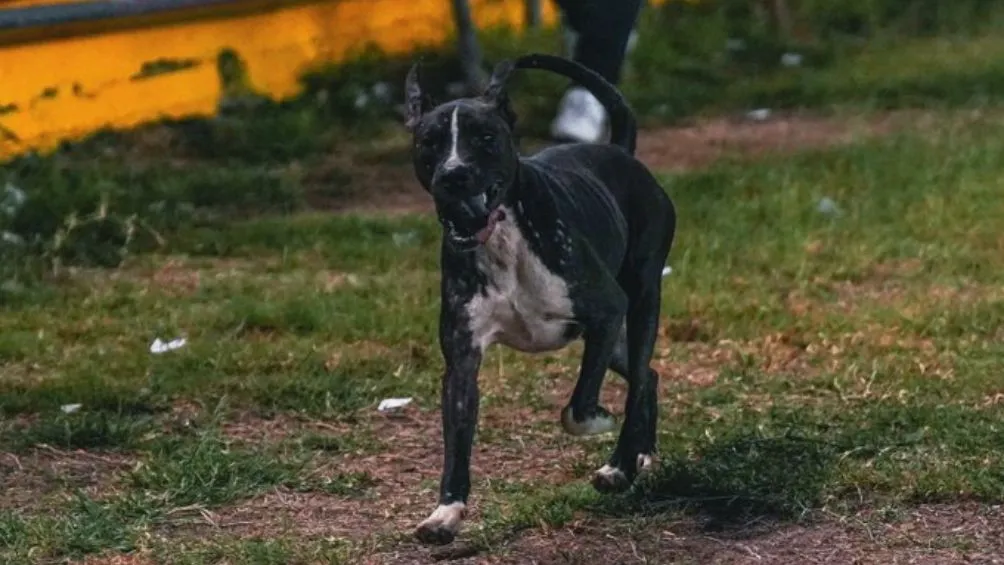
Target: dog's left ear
point(414, 101)
point(497, 92)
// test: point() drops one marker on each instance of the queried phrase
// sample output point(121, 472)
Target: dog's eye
point(428, 142)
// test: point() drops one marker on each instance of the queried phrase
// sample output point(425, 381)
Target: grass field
point(830, 362)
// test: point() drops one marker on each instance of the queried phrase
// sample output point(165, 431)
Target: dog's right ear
point(414, 100)
point(497, 92)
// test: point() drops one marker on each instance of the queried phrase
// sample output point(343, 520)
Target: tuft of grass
point(208, 471)
point(83, 430)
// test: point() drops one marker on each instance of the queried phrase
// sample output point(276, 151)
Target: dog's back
point(600, 185)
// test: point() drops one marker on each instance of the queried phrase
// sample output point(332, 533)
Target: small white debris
point(11, 200)
point(382, 92)
point(11, 238)
point(70, 408)
point(791, 60)
point(828, 207)
point(402, 239)
point(666, 271)
point(759, 115)
point(389, 404)
point(362, 100)
point(159, 346)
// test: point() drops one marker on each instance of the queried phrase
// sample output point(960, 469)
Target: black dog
point(537, 252)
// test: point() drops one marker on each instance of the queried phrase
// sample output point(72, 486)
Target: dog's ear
point(497, 92)
point(414, 99)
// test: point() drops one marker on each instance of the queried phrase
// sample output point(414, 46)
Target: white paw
point(644, 463)
point(442, 525)
point(610, 479)
point(600, 424)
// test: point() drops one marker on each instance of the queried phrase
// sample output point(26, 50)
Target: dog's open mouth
point(480, 237)
point(496, 216)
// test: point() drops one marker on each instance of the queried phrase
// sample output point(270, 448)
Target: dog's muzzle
point(471, 221)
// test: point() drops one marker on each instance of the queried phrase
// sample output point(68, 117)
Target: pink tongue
point(486, 232)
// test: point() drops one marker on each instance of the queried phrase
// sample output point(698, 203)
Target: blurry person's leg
point(598, 35)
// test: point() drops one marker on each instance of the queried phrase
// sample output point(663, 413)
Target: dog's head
point(465, 155)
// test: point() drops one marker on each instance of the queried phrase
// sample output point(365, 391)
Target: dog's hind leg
point(619, 360)
point(583, 415)
point(636, 444)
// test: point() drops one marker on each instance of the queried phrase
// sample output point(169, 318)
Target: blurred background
point(297, 84)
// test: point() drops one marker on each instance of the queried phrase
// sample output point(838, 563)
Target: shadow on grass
point(748, 479)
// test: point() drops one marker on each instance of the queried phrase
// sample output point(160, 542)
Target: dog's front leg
point(460, 401)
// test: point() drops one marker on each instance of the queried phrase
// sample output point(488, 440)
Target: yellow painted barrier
point(62, 82)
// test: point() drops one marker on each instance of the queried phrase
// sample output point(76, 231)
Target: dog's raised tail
point(623, 129)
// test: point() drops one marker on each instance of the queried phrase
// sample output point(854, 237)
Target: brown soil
point(929, 534)
point(31, 480)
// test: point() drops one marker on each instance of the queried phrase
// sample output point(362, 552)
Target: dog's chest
point(524, 305)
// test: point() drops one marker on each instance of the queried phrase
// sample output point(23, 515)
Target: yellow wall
point(62, 83)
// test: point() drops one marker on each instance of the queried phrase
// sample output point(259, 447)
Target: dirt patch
point(31, 480)
point(931, 534)
point(699, 145)
point(405, 475)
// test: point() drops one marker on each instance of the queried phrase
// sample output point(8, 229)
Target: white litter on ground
point(828, 207)
point(791, 59)
point(666, 271)
point(388, 404)
point(159, 346)
point(70, 408)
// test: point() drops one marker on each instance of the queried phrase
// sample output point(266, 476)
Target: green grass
point(894, 421)
point(816, 363)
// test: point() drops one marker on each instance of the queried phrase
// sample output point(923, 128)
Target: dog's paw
point(600, 423)
point(441, 527)
point(645, 464)
point(609, 480)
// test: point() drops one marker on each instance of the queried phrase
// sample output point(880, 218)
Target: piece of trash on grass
point(388, 404)
point(11, 200)
point(828, 206)
point(383, 92)
point(791, 59)
point(666, 271)
point(402, 239)
point(159, 346)
point(759, 115)
point(11, 238)
point(70, 408)
point(362, 100)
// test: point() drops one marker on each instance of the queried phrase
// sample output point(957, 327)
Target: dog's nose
point(456, 180)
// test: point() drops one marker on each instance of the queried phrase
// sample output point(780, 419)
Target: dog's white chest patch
point(525, 305)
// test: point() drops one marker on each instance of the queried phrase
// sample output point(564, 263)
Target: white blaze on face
point(453, 160)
